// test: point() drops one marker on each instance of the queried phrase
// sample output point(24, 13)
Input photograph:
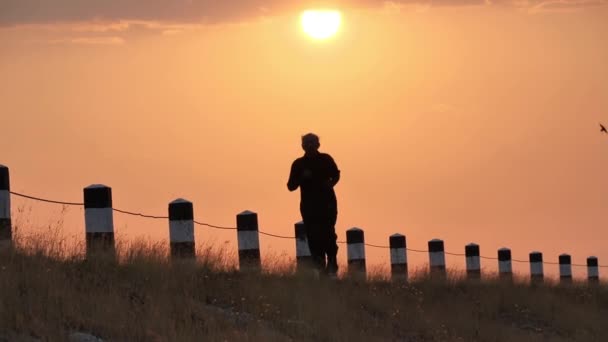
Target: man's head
point(310, 143)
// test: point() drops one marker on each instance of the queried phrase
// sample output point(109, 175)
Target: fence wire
point(39, 199)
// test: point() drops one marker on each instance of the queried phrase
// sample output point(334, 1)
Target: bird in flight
point(603, 129)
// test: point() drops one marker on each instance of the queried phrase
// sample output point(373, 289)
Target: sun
point(321, 23)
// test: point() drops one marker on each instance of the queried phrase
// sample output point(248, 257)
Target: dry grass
point(47, 292)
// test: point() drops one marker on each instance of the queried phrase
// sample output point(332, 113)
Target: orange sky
point(467, 123)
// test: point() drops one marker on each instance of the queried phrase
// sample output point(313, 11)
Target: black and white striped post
point(6, 230)
point(536, 267)
point(355, 251)
point(473, 261)
point(303, 257)
point(249, 241)
point(437, 257)
point(181, 229)
point(593, 272)
point(505, 266)
point(99, 219)
point(398, 250)
point(565, 268)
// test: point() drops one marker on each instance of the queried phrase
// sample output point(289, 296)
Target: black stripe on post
point(183, 250)
point(5, 183)
point(536, 257)
point(504, 255)
point(354, 236)
point(436, 246)
point(181, 211)
point(471, 250)
point(399, 270)
point(98, 197)
point(397, 241)
point(6, 230)
point(300, 230)
point(100, 242)
point(247, 220)
point(565, 259)
point(592, 262)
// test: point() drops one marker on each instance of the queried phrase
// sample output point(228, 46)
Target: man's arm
point(334, 172)
point(294, 178)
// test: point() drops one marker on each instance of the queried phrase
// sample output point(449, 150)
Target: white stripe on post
point(398, 250)
point(436, 256)
point(593, 272)
point(565, 268)
point(303, 258)
point(181, 229)
point(6, 230)
point(536, 266)
point(248, 241)
point(473, 262)
point(98, 218)
point(505, 268)
point(355, 250)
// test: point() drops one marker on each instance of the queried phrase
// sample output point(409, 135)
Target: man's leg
point(331, 245)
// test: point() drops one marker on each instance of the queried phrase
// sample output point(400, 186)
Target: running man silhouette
point(316, 174)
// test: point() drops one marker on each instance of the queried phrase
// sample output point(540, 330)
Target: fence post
point(248, 241)
point(355, 252)
point(437, 257)
point(593, 274)
point(505, 266)
point(6, 230)
point(398, 250)
point(473, 261)
point(536, 266)
point(303, 258)
point(99, 219)
point(181, 229)
point(565, 268)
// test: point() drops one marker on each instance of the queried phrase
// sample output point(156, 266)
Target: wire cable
point(214, 226)
point(269, 234)
point(45, 200)
point(277, 236)
point(139, 214)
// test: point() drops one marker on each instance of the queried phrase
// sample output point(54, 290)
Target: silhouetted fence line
point(99, 232)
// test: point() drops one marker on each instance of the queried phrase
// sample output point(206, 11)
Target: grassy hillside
point(46, 294)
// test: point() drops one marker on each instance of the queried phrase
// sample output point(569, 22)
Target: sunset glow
point(442, 125)
point(321, 24)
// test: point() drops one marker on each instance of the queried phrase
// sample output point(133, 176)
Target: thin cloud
point(108, 41)
point(36, 12)
point(566, 5)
